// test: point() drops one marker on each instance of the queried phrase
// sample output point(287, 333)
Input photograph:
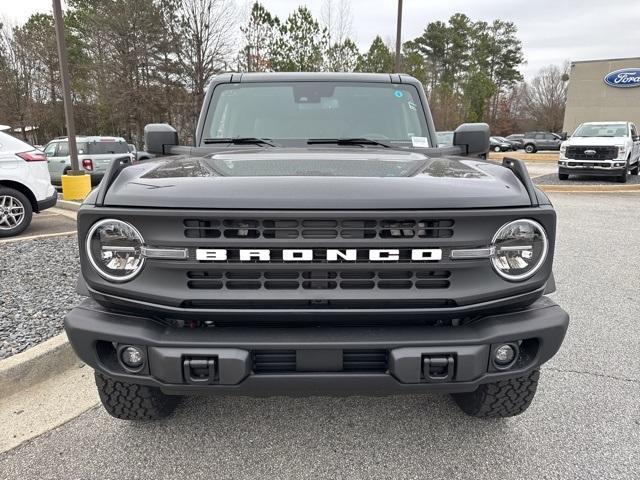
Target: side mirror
point(473, 138)
point(158, 136)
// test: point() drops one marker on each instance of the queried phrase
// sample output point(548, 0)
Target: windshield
point(107, 147)
point(316, 110)
point(601, 130)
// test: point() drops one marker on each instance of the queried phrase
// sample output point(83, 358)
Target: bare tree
point(545, 97)
point(207, 32)
point(336, 17)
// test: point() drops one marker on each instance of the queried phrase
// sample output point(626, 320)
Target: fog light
point(132, 357)
point(504, 355)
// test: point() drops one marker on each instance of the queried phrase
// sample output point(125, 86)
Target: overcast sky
point(551, 30)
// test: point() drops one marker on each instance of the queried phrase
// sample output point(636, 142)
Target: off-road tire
point(128, 401)
point(563, 176)
point(622, 178)
point(530, 148)
point(28, 212)
point(505, 398)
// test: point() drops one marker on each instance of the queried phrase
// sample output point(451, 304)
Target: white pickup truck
point(609, 149)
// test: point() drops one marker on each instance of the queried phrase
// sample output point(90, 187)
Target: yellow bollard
point(75, 187)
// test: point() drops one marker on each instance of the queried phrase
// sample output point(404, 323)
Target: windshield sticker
point(398, 93)
point(420, 142)
point(412, 106)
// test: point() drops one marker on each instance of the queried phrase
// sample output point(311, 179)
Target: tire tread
point(505, 398)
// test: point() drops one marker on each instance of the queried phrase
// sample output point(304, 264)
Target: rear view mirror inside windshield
point(312, 93)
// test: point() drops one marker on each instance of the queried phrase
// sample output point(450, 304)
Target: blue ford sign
point(623, 78)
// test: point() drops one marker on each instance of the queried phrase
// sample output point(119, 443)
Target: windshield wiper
point(241, 141)
point(347, 141)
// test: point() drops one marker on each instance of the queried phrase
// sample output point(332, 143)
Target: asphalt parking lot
point(584, 422)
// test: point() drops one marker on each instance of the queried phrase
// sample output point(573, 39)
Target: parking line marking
point(42, 235)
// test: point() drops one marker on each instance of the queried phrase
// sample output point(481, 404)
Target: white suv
point(601, 149)
point(25, 185)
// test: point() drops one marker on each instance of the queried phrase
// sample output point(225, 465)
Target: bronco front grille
point(317, 279)
point(601, 153)
point(312, 229)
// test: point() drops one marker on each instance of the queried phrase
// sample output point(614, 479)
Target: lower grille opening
point(284, 361)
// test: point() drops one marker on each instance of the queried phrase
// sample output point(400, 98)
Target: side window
point(50, 150)
point(548, 136)
point(63, 149)
point(634, 131)
point(539, 136)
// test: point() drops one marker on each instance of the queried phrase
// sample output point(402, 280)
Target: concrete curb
point(68, 205)
point(589, 188)
point(36, 365)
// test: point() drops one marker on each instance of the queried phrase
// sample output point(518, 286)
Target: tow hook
point(437, 368)
point(199, 371)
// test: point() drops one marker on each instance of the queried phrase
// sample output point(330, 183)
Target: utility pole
point(398, 37)
point(66, 88)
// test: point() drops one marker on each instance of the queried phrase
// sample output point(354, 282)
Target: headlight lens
point(520, 249)
point(114, 248)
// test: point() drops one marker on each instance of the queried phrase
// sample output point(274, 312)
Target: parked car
point(94, 156)
point(610, 149)
point(534, 141)
point(139, 155)
point(445, 138)
point(499, 144)
point(516, 140)
point(25, 185)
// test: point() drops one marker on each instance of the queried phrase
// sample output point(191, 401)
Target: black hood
point(317, 178)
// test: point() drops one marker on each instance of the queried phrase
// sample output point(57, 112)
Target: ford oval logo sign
point(623, 78)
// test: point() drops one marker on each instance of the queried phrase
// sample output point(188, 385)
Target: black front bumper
point(592, 172)
point(320, 359)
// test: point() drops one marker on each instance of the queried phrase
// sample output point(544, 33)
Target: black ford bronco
point(313, 241)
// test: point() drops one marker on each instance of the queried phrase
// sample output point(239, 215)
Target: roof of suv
point(323, 77)
point(92, 138)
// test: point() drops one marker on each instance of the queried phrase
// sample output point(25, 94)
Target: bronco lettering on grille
point(311, 255)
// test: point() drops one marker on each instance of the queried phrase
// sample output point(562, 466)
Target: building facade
point(603, 90)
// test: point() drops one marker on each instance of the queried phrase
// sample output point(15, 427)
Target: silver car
point(94, 156)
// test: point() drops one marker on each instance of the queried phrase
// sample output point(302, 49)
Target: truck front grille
point(602, 153)
point(312, 229)
point(317, 279)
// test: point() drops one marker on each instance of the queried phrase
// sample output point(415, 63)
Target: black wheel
point(563, 176)
point(505, 398)
point(15, 212)
point(128, 401)
point(622, 178)
point(530, 148)
point(635, 170)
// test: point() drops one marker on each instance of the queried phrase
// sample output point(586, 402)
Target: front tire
point(128, 401)
point(563, 176)
point(15, 212)
point(635, 170)
point(622, 178)
point(502, 399)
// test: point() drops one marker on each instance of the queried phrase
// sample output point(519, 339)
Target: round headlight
point(520, 248)
point(114, 249)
